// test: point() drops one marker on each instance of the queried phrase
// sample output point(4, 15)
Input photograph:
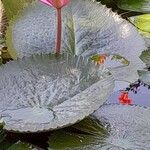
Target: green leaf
point(86, 33)
point(66, 140)
point(91, 126)
point(13, 7)
point(135, 5)
point(62, 140)
point(142, 22)
point(124, 124)
point(20, 146)
point(2, 134)
point(4, 144)
point(145, 57)
point(76, 88)
point(144, 76)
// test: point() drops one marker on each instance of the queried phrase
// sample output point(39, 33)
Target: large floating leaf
point(135, 5)
point(88, 28)
point(128, 127)
point(44, 92)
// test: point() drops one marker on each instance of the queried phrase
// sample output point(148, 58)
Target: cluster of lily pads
point(64, 95)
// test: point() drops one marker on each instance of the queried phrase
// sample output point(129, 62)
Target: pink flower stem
point(59, 32)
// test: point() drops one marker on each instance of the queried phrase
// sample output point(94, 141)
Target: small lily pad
point(43, 93)
point(144, 76)
point(142, 22)
point(145, 57)
point(135, 5)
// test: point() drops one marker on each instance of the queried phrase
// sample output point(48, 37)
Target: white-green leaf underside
point(43, 93)
point(129, 126)
point(88, 28)
point(124, 128)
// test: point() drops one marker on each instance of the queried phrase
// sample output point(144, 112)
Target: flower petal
point(56, 3)
point(46, 2)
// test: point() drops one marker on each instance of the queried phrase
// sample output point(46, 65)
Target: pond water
point(142, 97)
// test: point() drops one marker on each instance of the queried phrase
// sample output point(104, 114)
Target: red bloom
point(124, 98)
point(56, 3)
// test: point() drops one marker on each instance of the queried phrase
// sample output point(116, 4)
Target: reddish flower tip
point(56, 3)
point(124, 99)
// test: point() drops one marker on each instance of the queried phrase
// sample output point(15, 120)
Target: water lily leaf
point(127, 127)
point(91, 126)
point(98, 31)
point(135, 5)
point(91, 130)
point(142, 22)
point(145, 57)
point(4, 144)
point(144, 76)
point(13, 7)
point(46, 92)
point(2, 135)
point(147, 41)
point(10, 145)
point(1, 17)
point(21, 146)
point(66, 140)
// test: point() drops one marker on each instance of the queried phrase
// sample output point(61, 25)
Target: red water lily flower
point(124, 98)
point(56, 3)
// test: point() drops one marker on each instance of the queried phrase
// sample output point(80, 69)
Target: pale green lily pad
point(124, 128)
point(44, 93)
point(135, 5)
point(142, 22)
point(86, 33)
point(145, 57)
point(144, 76)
